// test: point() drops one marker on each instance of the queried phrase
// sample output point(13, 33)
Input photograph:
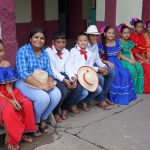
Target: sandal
point(45, 129)
point(13, 147)
point(85, 107)
point(108, 102)
point(105, 106)
point(37, 133)
point(75, 109)
point(57, 118)
point(64, 114)
point(27, 139)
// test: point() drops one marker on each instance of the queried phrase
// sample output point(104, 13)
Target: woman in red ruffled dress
point(16, 111)
point(139, 51)
point(147, 39)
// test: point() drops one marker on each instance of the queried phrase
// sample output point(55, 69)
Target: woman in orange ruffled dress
point(147, 38)
point(139, 51)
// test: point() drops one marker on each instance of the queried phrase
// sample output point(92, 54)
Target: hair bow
point(120, 26)
point(133, 20)
point(103, 28)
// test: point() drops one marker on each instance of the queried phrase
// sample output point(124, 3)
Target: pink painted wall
point(50, 28)
point(110, 14)
point(146, 10)
point(23, 30)
point(7, 15)
point(38, 20)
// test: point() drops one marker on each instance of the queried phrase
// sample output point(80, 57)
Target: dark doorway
point(70, 17)
point(62, 15)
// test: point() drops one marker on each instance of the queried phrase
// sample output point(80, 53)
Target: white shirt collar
point(91, 45)
point(78, 48)
point(55, 51)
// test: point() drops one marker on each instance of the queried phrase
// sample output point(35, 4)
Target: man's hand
point(103, 70)
point(68, 83)
point(74, 82)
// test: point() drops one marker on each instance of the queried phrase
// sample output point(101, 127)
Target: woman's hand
point(147, 61)
point(16, 105)
point(47, 86)
point(132, 62)
point(51, 85)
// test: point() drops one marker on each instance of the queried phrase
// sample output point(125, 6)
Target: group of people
point(121, 66)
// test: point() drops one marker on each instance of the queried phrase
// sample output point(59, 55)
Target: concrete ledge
point(2, 131)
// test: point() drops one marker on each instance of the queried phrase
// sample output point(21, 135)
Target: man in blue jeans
point(106, 74)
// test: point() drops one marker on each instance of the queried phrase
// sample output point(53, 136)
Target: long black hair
point(1, 41)
point(103, 39)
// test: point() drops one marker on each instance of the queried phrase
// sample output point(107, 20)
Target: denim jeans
point(91, 95)
point(105, 83)
point(43, 102)
point(76, 95)
point(64, 92)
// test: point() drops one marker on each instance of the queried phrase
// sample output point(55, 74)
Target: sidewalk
point(122, 128)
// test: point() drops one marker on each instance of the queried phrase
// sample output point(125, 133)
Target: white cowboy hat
point(41, 76)
point(88, 78)
point(92, 29)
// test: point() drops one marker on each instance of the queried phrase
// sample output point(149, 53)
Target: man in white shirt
point(80, 56)
point(59, 55)
point(106, 74)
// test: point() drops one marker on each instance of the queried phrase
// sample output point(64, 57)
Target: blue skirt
point(122, 89)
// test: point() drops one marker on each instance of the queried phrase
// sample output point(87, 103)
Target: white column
point(100, 10)
point(127, 9)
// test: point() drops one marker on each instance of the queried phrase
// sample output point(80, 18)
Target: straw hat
point(88, 78)
point(41, 76)
point(92, 29)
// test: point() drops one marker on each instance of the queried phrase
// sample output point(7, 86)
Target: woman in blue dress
point(122, 89)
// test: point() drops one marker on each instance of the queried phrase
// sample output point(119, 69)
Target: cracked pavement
point(122, 128)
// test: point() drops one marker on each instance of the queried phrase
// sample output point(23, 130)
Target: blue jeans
point(64, 91)
point(44, 102)
point(105, 83)
point(92, 95)
point(76, 95)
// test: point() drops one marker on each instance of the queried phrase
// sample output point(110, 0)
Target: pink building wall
point(7, 17)
point(17, 34)
point(110, 12)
